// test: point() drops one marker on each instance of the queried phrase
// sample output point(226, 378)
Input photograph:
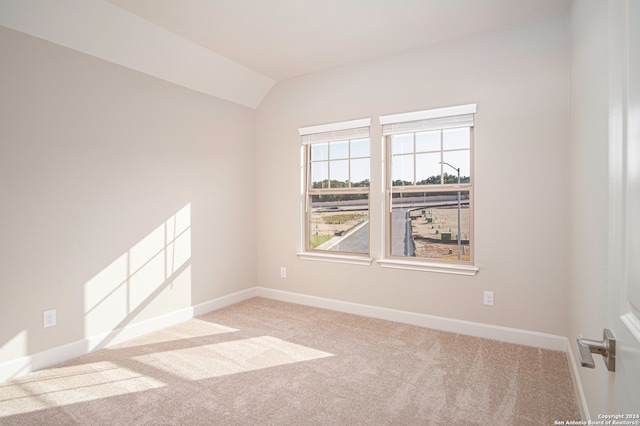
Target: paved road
point(356, 242)
point(399, 232)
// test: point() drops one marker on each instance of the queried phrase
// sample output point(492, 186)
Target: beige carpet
point(263, 362)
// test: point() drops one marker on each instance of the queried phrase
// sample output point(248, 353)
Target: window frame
point(335, 132)
point(412, 123)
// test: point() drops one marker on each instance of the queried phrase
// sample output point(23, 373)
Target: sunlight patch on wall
point(14, 347)
point(158, 263)
point(105, 298)
point(71, 385)
point(238, 356)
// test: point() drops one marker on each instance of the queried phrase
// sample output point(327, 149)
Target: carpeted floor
point(263, 362)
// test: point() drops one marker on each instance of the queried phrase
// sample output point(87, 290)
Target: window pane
point(319, 151)
point(425, 225)
point(428, 141)
point(360, 148)
point(320, 174)
point(402, 170)
point(402, 144)
point(456, 138)
point(339, 223)
point(338, 150)
point(458, 159)
point(360, 172)
point(401, 205)
point(428, 169)
point(339, 173)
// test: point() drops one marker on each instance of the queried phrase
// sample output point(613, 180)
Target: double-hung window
point(336, 188)
point(429, 186)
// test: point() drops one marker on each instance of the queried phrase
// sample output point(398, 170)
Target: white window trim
point(413, 265)
point(336, 258)
point(313, 255)
point(428, 114)
point(418, 265)
point(334, 127)
point(438, 267)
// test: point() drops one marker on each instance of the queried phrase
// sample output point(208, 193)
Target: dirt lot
point(434, 224)
point(427, 229)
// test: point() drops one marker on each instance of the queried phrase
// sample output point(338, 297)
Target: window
point(429, 185)
point(336, 194)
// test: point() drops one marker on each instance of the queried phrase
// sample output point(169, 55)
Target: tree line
point(446, 178)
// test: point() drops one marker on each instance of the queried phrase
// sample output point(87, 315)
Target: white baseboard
point(21, 366)
point(221, 302)
point(26, 364)
point(487, 331)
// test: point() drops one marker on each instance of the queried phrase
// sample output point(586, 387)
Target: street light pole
point(457, 170)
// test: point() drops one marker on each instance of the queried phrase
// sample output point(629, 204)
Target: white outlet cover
point(488, 298)
point(49, 318)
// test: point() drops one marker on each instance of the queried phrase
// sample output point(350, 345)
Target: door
point(624, 203)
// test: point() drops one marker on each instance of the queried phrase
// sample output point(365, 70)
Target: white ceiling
point(238, 49)
point(287, 38)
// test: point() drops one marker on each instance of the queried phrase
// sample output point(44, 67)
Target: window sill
point(337, 258)
point(429, 267)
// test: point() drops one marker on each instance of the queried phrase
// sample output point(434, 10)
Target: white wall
point(95, 162)
point(518, 78)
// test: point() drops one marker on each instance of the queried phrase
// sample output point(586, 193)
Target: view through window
point(337, 189)
point(429, 185)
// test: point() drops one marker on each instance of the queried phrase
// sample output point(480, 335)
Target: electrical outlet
point(488, 298)
point(49, 318)
point(283, 272)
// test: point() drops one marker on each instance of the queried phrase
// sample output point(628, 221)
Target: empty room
point(319, 212)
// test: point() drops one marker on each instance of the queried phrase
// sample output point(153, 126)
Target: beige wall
point(95, 162)
point(518, 78)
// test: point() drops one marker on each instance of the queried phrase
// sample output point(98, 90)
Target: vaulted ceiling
point(238, 49)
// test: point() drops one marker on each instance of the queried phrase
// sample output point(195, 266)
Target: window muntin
point(426, 220)
point(340, 164)
point(429, 185)
point(338, 174)
point(421, 158)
